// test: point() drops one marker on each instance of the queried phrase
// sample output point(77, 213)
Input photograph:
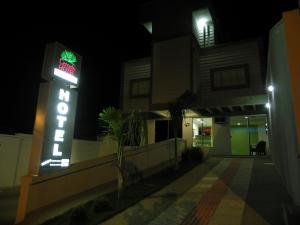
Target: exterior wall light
point(201, 23)
point(270, 88)
point(268, 105)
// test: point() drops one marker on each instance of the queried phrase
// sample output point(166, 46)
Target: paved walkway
point(221, 191)
point(236, 191)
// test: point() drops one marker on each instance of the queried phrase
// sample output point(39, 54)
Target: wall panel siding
point(135, 69)
point(222, 56)
point(171, 69)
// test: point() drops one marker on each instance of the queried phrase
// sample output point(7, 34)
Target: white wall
point(15, 153)
point(151, 131)
point(263, 136)
point(187, 131)
point(10, 151)
point(89, 174)
point(222, 143)
point(283, 139)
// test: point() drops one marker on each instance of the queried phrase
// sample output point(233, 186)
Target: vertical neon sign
point(53, 135)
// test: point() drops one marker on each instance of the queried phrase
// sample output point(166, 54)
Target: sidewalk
point(221, 191)
point(244, 191)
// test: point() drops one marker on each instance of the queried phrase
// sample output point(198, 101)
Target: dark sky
point(105, 37)
point(239, 19)
point(105, 34)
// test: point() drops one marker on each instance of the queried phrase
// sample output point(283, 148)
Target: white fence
point(89, 174)
point(15, 153)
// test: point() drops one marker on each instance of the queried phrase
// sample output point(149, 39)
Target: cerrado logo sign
point(67, 61)
point(66, 67)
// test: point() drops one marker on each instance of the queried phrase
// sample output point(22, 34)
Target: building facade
point(225, 82)
point(284, 114)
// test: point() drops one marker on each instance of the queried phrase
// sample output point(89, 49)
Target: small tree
point(115, 122)
point(131, 129)
point(177, 113)
point(136, 133)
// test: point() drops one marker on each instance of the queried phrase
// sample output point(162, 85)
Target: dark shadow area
point(266, 192)
point(8, 205)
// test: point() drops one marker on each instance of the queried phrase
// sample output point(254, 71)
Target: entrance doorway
point(246, 132)
point(202, 132)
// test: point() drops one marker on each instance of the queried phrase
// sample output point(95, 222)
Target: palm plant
point(177, 113)
point(136, 134)
point(131, 130)
point(115, 123)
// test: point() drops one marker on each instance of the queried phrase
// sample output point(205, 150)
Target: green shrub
point(193, 154)
point(79, 216)
point(102, 205)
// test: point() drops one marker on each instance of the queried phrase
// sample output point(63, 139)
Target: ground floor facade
point(234, 135)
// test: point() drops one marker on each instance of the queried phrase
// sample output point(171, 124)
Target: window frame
point(131, 85)
point(227, 68)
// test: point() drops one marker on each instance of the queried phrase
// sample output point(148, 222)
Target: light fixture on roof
point(201, 22)
point(270, 88)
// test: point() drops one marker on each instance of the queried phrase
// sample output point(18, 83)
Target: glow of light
point(65, 162)
point(66, 67)
point(62, 108)
point(64, 95)
point(46, 162)
point(55, 151)
point(68, 56)
point(55, 164)
point(61, 120)
point(66, 76)
point(59, 135)
point(270, 88)
point(238, 124)
point(268, 105)
point(201, 22)
point(246, 117)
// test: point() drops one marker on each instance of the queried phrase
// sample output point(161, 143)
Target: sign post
point(54, 121)
point(54, 124)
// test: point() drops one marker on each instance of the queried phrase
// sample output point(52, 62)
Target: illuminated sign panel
point(61, 71)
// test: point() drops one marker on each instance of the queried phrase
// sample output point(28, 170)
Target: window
point(139, 88)
point(229, 77)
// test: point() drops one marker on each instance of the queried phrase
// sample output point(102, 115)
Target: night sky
point(105, 35)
